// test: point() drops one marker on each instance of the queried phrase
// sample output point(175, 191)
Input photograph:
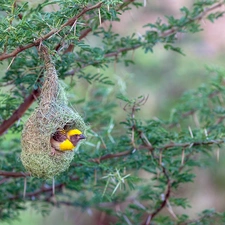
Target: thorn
point(160, 158)
point(25, 188)
point(144, 3)
point(182, 157)
point(206, 133)
point(189, 128)
point(218, 154)
point(162, 197)
point(190, 146)
point(10, 63)
point(53, 186)
point(99, 16)
point(170, 209)
point(148, 220)
point(74, 25)
point(195, 118)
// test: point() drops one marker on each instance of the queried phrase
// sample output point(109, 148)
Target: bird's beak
point(82, 137)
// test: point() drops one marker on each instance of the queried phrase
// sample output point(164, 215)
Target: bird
point(63, 140)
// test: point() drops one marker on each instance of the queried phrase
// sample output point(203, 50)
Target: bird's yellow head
point(74, 132)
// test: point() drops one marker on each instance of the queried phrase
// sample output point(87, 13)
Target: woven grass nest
point(52, 113)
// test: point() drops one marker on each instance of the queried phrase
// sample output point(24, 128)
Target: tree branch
point(38, 192)
point(20, 111)
point(110, 156)
point(121, 50)
point(48, 35)
point(163, 203)
point(151, 148)
point(14, 174)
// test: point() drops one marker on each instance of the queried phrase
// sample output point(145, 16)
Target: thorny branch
point(48, 35)
point(98, 5)
point(162, 148)
point(54, 31)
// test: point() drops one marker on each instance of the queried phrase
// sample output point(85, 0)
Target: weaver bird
point(63, 140)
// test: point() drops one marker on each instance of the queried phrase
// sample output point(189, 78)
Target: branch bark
point(20, 111)
point(14, 174)
point(110, 156)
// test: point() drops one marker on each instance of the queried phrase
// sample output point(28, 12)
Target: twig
point(121, 50)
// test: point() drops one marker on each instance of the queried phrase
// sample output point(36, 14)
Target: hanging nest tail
point(52, 113)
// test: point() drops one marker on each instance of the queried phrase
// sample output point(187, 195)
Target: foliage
point(107, 170)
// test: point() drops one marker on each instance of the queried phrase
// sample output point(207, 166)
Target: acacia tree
point(105, 173)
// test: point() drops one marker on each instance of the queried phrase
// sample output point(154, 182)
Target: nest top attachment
point(51, 114)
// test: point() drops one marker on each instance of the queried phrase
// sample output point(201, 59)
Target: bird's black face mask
point(76, 138)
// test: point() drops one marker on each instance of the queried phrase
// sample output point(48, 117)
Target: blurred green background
point(163, 76)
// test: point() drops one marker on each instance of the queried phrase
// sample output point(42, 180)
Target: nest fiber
point(52, 113)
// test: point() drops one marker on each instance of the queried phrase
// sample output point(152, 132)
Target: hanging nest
point(52, 113)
